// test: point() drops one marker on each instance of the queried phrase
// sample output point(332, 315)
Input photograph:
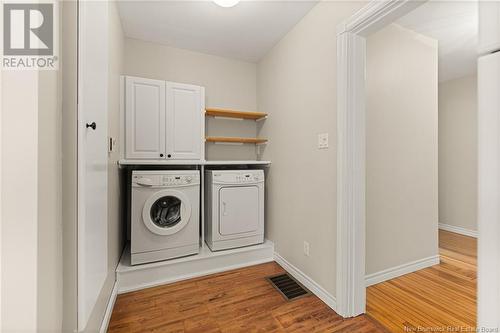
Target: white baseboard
point(394, 272)
point(109, 309)
point(458, 230)
point(309, 283)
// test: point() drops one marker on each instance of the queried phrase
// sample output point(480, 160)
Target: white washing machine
point(165, 215)
point(234, 208)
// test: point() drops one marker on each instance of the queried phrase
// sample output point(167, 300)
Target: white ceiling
point(455, 25)
point(245, 32)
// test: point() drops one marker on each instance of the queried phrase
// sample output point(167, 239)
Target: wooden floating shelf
point(213, 112)
point(235, 139)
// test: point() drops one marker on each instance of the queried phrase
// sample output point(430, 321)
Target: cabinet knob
point(161, 155)
point(169, 155)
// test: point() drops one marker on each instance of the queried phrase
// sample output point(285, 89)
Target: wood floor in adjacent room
point(243, 301)
point(236, 301)
point(441, 298)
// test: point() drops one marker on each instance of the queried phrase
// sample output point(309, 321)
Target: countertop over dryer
point(125, 162)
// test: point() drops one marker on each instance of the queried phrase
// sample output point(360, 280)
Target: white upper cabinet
point(184, 121)
point(489, 26)
point(144, 118)
point(163, 120)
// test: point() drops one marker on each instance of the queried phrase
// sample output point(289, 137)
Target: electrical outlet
point(323, 141)
point(306, 248)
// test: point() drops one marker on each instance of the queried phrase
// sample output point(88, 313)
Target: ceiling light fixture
point(226, 3)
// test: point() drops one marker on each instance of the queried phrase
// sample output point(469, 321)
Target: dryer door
point(166, 212)
point(238, 210)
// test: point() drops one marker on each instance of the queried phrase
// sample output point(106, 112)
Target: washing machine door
point(166, 212)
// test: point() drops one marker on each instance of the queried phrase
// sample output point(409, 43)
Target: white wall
point(19, 194)
point(31, 266)
point(31, 202)
point(297, 87)
point(458, 152)
point(401, 148)
point(116, 68)
point(228, 84)
point(1, 173)
point(115, 223)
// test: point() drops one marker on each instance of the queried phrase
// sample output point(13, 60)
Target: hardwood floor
point(242, 300)
point(236, 301)
point(439, 297)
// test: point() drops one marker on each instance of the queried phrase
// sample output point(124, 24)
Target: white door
point(238, 210)
point(92, 155)
point(144, 118)
point(185, 127)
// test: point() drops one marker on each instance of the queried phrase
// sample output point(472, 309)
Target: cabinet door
point(144, 118)
point(185, 128)
point(489, 26)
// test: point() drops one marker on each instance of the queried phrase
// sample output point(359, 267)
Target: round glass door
point(166, 212)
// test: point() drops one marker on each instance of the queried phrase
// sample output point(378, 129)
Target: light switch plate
point(323, 141)
point(111, 144)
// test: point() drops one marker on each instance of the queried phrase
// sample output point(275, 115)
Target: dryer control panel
point(238, 176)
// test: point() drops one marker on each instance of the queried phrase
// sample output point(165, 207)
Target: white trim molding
point(350, 175)
point(397, 271)
point(109, 309)
point(377, 14)
point(458, 230)
point(351, 289)
point(132, 278)
point(309, 283)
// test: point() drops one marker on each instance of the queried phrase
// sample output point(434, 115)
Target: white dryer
point(234, 208)
point(165, 215)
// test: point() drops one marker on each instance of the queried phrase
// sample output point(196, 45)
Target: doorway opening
point(401, 187)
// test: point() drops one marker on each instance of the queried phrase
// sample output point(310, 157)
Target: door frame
point(351, 115)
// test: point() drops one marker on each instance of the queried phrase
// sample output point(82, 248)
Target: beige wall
point(297, 87)
point(69, 163)
point(458, 152)
point(228, 84)
point(50, 251)
point(115, 224)
point(401, 148)
point(49, 204)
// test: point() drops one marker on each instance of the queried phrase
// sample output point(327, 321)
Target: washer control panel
point(165, 180)
point(238, 176)
point(177, 180)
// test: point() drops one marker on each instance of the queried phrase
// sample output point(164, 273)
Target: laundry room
point(190, 116)
point(250, 166)
point(189, 151)
point(210, 127)
point(202, 139)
